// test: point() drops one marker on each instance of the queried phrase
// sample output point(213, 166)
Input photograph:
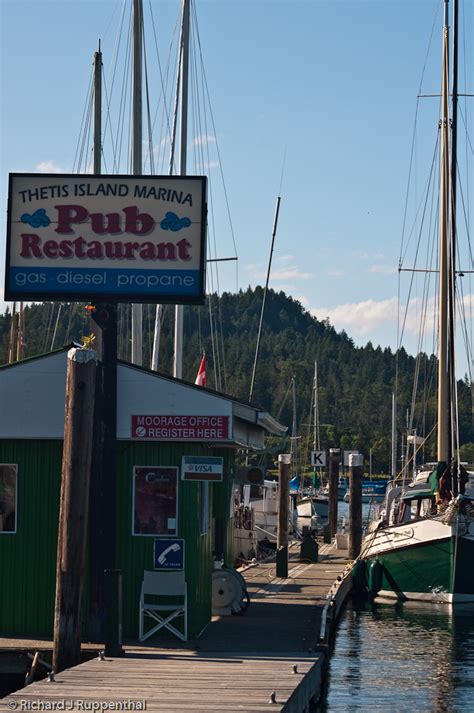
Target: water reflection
point(412, 656)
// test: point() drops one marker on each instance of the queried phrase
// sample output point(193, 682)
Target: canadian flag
point(201, 375)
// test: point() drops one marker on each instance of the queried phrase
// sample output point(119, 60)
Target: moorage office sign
point(167, 427)
point(114, 238)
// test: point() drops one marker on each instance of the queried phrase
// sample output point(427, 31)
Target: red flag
point(201, 375)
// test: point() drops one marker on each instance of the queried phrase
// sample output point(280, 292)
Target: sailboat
point(311, 505)
point(421, 546)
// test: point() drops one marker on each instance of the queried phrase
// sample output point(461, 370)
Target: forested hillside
point(355, 383)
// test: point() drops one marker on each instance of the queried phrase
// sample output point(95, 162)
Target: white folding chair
point(163, 585)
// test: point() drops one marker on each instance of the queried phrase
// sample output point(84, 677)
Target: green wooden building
point(159, 421)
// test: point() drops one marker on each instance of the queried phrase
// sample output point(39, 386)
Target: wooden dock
point(270, 656)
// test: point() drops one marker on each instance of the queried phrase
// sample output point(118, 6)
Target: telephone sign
point(169, 554)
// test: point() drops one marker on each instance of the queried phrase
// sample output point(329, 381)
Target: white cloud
point(204, 139)
point(377, 320)
point(286, 287)
point(365, 256)
point(282, 270)
point(416, 309)
point(302, 299)
point(360, 318)
point(209, 165)
point(383, 269)
point(48, 167)
point(290, 273)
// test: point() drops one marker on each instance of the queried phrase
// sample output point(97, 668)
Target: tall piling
point(284, 465)
point(74, 507)
point(356, 462)
point(103, 485)
point(334, 459)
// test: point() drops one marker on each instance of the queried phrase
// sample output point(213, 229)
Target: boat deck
point(239, 663)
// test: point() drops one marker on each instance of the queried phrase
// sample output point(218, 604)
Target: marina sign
point(110, 238)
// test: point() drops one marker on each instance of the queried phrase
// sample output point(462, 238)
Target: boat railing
point(266, 532)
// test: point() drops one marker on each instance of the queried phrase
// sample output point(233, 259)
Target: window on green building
point(155, 500)
point(8, 495)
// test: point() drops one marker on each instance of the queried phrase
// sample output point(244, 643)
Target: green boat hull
point(440, 570)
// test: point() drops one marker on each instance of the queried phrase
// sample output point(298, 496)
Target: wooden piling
point(355, 504)
point(103, 485)
point(284, 465)
point(334, 458)
point(73, 515)
point(284, 462)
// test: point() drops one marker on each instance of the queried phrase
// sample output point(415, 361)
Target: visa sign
point(202, 468)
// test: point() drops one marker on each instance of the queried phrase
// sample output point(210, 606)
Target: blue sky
point(331, 85)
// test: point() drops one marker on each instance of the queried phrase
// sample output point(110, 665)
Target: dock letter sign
point(113, 238)
point(318, 458)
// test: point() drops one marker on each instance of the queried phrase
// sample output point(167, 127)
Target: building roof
point(32, 397)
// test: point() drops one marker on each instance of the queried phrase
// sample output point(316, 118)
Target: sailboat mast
point(294, 435)
point(183, 148)
point(393, 469)
point(443, 378)
point(265, 291)
point(159, 307)
point(452, 272)
point(103, 482)
point(11, 344)
point(137, 309)
point(316, 439)
point(97, 150)
point(20, 343)
point(454, 132)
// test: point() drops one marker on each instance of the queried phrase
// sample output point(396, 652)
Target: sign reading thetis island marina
point(122, 238)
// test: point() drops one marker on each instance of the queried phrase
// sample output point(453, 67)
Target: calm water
point(369, 510)
point(411, 657)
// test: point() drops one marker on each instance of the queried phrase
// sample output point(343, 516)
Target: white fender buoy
point(229, 594)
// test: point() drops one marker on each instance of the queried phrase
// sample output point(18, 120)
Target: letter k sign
point(318, 458)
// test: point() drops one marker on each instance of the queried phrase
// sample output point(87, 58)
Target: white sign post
point(347, 455)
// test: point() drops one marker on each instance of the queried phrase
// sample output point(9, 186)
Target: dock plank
point(235, 665)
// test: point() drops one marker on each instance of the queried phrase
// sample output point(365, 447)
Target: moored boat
point(373, 491)
point(313, 505)
point(342, 489)
point(418, 550)
point(421, 546)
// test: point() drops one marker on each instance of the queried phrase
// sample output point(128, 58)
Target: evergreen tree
point(355, 383)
